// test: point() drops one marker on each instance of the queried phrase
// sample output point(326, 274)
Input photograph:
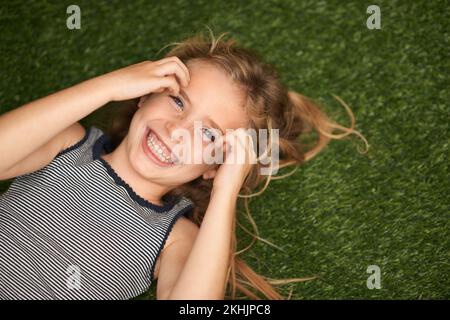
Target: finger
point(168, 82)
point(226, 149)
point(183, 66)
point(169, 68)
point(245, 142)
point(179, 63)
point(223, 145)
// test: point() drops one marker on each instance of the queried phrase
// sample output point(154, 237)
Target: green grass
point(341, 212)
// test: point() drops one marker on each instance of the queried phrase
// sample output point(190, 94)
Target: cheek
point(157, 111)
point(206, 151)
point(189, 147)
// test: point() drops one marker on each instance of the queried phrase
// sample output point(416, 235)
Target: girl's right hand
point(146, 77)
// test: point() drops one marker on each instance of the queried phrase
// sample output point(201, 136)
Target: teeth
point(158, 149)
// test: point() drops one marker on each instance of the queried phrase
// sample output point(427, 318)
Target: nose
point(177, 128)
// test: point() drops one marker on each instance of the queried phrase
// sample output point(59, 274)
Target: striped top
point(75, 230)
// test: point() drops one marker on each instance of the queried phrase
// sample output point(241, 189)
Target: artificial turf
point(339, 213)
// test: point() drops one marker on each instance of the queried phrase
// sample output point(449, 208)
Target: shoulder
point(78, 136)
point(186, 226)
point(62, 142)
point(181, 238)
point(73, 134)
point(183, 229)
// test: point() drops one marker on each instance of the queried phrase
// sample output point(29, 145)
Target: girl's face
point(211, 99)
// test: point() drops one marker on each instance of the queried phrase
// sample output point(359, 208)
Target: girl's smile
point(156, 150)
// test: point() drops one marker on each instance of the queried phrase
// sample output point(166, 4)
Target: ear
point(142, 100)
point(209, 174)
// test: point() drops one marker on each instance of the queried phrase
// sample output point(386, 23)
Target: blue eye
point(209, 134)
point(178, 99)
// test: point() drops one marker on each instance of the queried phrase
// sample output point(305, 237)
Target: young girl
point(94, 215)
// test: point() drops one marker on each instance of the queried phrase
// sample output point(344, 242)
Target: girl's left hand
point(240, 157)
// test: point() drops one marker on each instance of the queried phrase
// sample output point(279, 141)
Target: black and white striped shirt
point(75, 230)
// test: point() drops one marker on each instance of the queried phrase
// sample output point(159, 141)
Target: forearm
point(205, 270)
point(24, 129)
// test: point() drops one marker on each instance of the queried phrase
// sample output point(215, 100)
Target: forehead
point(214, 94)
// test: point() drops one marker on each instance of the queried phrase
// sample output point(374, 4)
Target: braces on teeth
point(158, 150)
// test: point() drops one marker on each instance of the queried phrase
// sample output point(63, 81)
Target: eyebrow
point(186, 98)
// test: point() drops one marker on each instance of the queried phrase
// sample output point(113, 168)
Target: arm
point(45, 154)
point(173, 257)
point(27, 128)
point(203, 275)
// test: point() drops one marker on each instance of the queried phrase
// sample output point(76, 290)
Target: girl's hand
point(240, 157)
point(146, 77)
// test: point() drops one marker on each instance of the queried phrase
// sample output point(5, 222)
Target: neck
point(150, 191)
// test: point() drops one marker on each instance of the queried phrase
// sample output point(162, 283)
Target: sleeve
point(84, 150)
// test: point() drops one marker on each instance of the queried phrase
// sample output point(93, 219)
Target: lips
point(151, 153)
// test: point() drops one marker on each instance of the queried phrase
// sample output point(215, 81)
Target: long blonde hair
point(269, 105)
